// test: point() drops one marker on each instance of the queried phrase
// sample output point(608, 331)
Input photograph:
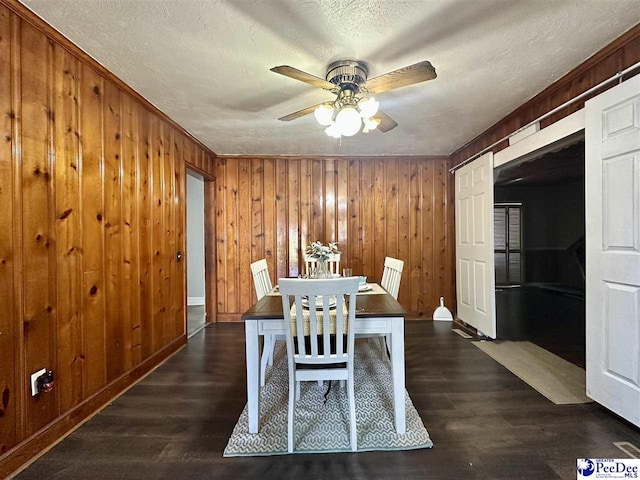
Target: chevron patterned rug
point(324, 427)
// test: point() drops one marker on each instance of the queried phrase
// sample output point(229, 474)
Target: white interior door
point(475, 277)
point(613, 249)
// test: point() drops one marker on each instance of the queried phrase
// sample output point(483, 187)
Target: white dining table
point(377, 313)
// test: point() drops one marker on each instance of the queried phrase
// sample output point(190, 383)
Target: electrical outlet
point(34, 381)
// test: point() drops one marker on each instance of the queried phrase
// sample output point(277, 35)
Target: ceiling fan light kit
point(354, 108)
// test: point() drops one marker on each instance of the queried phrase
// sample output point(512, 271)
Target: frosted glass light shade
point(333, 131)
point(348, 121)
point(370, 124)
point(368, 107)
point(324, 114)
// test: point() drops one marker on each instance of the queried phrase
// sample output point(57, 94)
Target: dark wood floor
point(485, 423)
point(560, 328)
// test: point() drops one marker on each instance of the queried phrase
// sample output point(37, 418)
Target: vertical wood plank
point(258, 207)
point(306, 207)
point(391, 215)
point(440, 240)
point(158, 235)
point(269, 217)
point(169, 238)
point(221, 234)
point(403, 230)
point(211, 260)
point(328, 202)
point(367, 199)
point(15, 114)
point(38, 239)
point(341, 209)
point(413, 267)
point(92, 94)
point(317, 185)
point(428, 226)
point(353, 236)
point(130, 225)
point(451, 241)
point(115, 327)
point(231, 245)
point(8, 317)
point(286, 253)
point(243, 235)
point(381, 211)
point(145, 232)
point(68, 229)
point(292, 233)
point(178, 270)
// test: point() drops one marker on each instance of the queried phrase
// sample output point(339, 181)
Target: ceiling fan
point(354, 106)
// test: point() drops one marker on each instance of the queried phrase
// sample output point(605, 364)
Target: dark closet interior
point(540, 252)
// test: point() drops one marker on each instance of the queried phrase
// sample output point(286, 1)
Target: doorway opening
point(539, 224)
point(196, 289)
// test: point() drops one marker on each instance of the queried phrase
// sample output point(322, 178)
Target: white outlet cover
point(34, 381)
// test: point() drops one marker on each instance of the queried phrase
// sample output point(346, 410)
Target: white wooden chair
point(391, 276)
point(333, 263)
point(308, 344)
point(262, 282)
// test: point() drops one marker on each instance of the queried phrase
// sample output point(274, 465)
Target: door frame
point(210, 290)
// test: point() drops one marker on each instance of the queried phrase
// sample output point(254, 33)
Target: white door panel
point(475, 280)
point(613, 249)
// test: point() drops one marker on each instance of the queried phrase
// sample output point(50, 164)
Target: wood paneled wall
point(615, 57)
point(373, 207)
point(92, 189)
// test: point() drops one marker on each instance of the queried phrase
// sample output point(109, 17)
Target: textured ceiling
point(206, 63)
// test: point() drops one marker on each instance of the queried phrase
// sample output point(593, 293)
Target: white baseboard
point(195, 301)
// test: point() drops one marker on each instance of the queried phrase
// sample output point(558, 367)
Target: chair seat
point(325, 373)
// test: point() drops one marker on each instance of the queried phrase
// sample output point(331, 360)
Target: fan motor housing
point(347, 74)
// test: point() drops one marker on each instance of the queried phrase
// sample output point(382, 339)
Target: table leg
point(253, 374)
point(397, 368)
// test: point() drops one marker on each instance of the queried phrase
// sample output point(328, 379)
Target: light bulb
point(324, 114)
point(370, 124)
point(348, 121)
point(368, 107)
point(333, 130)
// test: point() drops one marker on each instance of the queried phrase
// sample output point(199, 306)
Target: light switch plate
point(34, 381)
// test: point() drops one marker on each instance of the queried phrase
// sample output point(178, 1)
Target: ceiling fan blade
point(386, 122)
point(300, 113)
point(416, 73)
point(305, 77)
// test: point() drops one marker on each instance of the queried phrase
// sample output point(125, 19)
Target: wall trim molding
point(330, 157)
point(29, 450)
point(40, 24)
point(195, 301)
point(536, 142)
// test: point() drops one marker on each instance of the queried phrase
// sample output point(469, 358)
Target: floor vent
point(628, 448)
point(462, 333)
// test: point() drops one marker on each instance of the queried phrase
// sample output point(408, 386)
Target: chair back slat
point(313, 325)
point(261, 278)
point(324, 323)
point(339, 329)
point(302, 348)
point(392, 275)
